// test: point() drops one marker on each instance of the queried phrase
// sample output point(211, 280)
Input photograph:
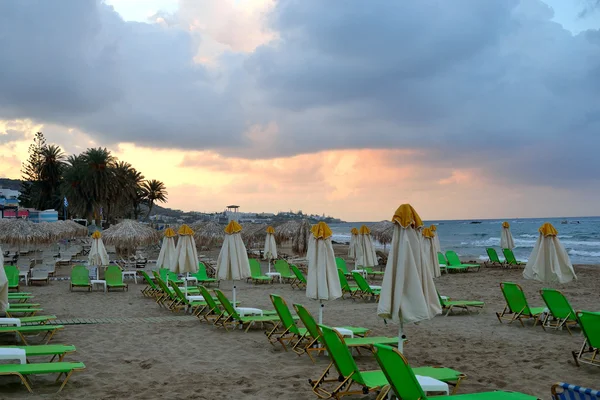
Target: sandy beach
point(193, 360)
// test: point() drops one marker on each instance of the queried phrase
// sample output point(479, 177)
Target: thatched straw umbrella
point(207, 234)
point(20, 232)
point(71, 229)
point(254, 234)
point(383, 232)
point(130, 234)
point(295, 230)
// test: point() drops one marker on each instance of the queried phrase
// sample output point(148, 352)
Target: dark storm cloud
point(493, 84)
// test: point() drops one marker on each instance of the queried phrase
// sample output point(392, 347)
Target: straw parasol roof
point(20, 231)
point(130, 234)
point(254, 234)
point(383, 232)
point(71, 229)
point(207, 233)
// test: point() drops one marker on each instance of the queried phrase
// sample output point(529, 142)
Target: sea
point(469, 238)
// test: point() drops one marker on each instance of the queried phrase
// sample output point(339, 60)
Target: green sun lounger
point(590, 350)
point(234, 319)
point(366, 290)
point(202, 276)
point(341, 264)
point(404, 383)
point(314, 344)
point(449, 305)
point(213, 312)
point(560, 313)
point(194, 304)
point(151, 290)
point(167, 275)
point(166, 297)
point(517, 307)
point(80, 277)
point(511, 259)
point(493, 258)
point(283, 268)
point(114, 278)
point(454, 263)
point(37, 319)
point(54, 350)
point(12, 275)
point(370, 271)
point(350, 375)
point(60, 368)
point(346, 287)
point(300, 281)
point(47, 330)
point(288, 332)
point(19, 297)
point(256, 274)
point(20, 312)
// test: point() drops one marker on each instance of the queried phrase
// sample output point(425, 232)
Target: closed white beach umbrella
point(3, 285)
point(98, 255)
point(407, 292)
point(436, 239)
point(506, 239)
point(430, 257)
point(233, 264)
point(167, 258)
point(549, 261)
point(353, 243)
point(323, 281)
point(187, 256)
point(367, 256)
point(270, 251)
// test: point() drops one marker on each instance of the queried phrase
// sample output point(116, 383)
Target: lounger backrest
point(452, 258)
point(283, 268)
point(298, 273)
point(565, 391)
point(284, 314)
point(201, 273)
point(442, 258)
point(12, 275)
point(558, 304)
point(164, 274)
point(226, 304)
point(441, 299)
point(177, 291)
point(509, 256)
point(113, 275)
point(209, 300)
point(515, 298)
point(343, 281)
point(80, 275)
point(340, 354)
point(341, 264)
point(590, 325)
point(163, 286)
point(309, 322)
point(254, 267)
point(361, 282)
point(492, 255)
point(148, 280)
point(399, 374)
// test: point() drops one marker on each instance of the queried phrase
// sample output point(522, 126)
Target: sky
point(465, 109)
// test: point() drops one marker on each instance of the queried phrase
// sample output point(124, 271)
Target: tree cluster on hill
point(96, 185)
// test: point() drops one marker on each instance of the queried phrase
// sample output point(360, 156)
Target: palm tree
point(74, 187)
point(100, 164)
point(155, 190)
point(51, 169)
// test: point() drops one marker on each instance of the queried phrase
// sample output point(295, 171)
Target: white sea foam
point(583, 253)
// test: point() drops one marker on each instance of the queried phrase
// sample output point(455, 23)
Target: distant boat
point(564, 222)
point(475, 222)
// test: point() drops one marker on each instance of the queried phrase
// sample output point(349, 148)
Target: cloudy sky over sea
point(466, 108)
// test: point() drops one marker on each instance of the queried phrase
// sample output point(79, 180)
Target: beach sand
point(194, 360)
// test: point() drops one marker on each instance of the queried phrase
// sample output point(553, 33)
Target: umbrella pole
point(234, 303)
point(401, 338)
point(269, 264)
point(321, 306)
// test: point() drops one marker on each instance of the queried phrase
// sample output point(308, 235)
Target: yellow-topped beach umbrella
point(323, 281)
point(3, 285)
point(270, 251)
point(353, 243)
point(167, 258)
point(408, 293)
point(506, 239)
point(98, 256)
point(186, 254)
point(366, 256)
point(549, 261)
point(436, 239)
point(430, 257)
point(233, 264)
